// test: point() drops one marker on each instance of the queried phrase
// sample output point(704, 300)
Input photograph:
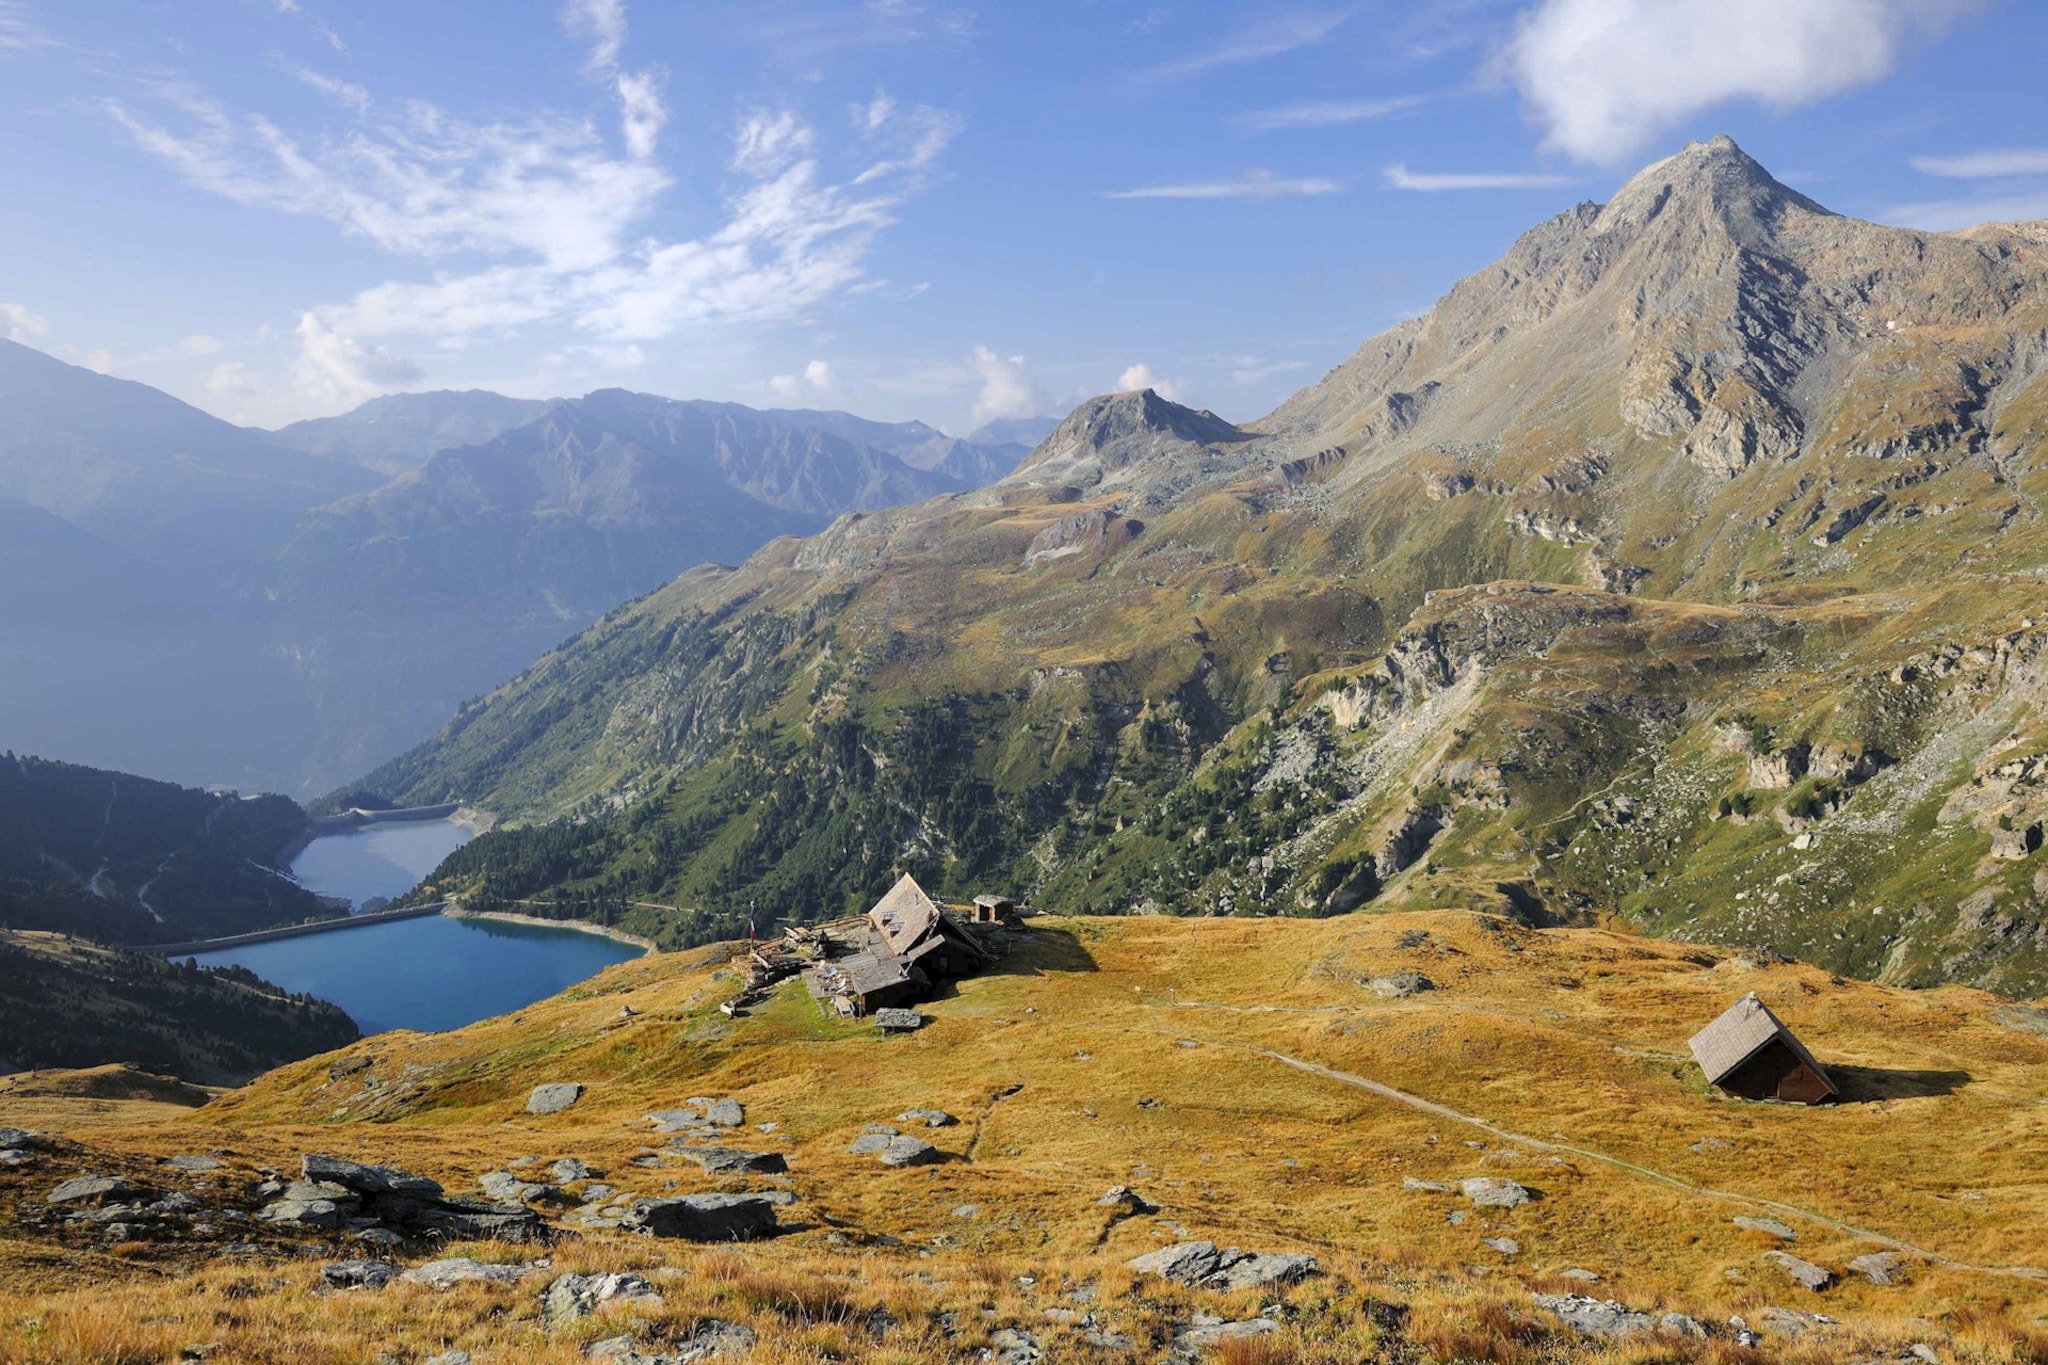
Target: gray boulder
point(185, 1163)
point(572, 1297)
point(470, 1220)
point(732, 1161)
point(930, 1118)
point(1881, 1267)
point(1414, 1186)
point(359, 1274)
point(363, 1179)
point(1678, 1324)
point(1494, 1192)
point(303, 1213)
point(507, 1188)
point(22, 1140)
point(1204, 1265)
point(1125, 1198)
point(1506, 1246)
point(1769, 1226)
point(1801, 1272)
point(726, 1114)
point(675, 1120)
point(1604, 1319)
point(898, 1021)
point(569, 1170)
point(704, 1217)
point(898, 1152)
point(1210, 1335)
point(1400, 985)
point(94, 1189)
point(1012, 1346)
point(553, 1098)
point(867, 1144)
point(462, 1270)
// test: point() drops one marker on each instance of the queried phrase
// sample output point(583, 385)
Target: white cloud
point(1951, 215)
point(1399, 177)
point(1273, 38)
point(1326, 113)
point(1250, 369)
point(1253, 184)
point(817, 379)
point(602, 24)
point(342, 92)
point(1606, 76)
point(232, 379)
point(1007, 388)
point(1986, 165)
point(340, 369)
point(199, 345)
point(17, 323)
point(769, 144)
point(17, 31)
point(1140, 376)
point(641, 112)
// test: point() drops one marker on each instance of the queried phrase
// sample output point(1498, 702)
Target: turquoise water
point(431, 973)
point(377, 860)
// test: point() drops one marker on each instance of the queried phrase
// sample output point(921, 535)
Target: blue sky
point(946, 209)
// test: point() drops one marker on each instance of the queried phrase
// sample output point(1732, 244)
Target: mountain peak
point(1117, 430)
point(1714, 178)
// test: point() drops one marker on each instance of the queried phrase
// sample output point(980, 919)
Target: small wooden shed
point(1748, 1052)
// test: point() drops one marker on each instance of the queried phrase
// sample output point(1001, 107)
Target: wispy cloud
point(1326, 113)
point(1272, 38)
point(1399, 177)
point(1951, 215)
point(1986, 165)
point(18, 32)
point(1253, 184)
point(539, 219)
point(1250, 369)
point(17, 323)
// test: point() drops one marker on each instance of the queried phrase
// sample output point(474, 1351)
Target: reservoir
point(431, 973)
point(385, 860)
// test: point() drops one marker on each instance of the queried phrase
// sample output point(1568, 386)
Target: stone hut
point(1749, 1053)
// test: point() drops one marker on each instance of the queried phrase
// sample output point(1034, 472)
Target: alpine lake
point(429, 973)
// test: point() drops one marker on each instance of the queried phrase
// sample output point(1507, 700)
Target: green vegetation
point(123, 859)
point(67, 1003)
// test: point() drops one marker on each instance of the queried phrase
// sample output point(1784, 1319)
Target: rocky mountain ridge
point(1705, 460)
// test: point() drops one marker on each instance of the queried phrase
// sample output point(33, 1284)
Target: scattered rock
point(1423, 1186)
point(1681, 1325)
point(1806, 1273)
point(1202, 1264)
point(930, 1118)
point(899, 1152)
point(867, 1144)
point(569, 1170)
point(1604, 1319)
point(705, 1217)
point(359, 1274)
point(1788, 1322)
point(1011, 1346)
point(377, 1237)
point(572, 1297)
point(304, 1213)
point(1881, 1267)
point(452, 1358)
point(553, 1098)
point(1582, 1275)
point(176, 1163)
point(363, 1179)
point(462, 1270)
point(967, 1211)
point(1209, 1335)
point(508, 1188)
point(1127, 1199)
point(21, 1140)
point(898, 1021)
point(726, 1114)
point(1767, 1225)
point(94, 1189)
point(1494, 1192)
point(731, 1161)
point(1400, 985)
point(1506, 1246)
point(675, 1120)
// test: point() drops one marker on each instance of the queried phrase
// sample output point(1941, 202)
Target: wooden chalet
point(897, 954)
point(1748, 1052)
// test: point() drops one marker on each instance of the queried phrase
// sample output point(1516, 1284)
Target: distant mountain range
point(284, 610)
point(1684, 565)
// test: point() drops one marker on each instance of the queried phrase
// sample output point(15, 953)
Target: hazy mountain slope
point(148, 473)
point(167, 863)
point(400, 431)
point(112, 661)
point(402, 603)
point(1173, 663)
point(67, 1003)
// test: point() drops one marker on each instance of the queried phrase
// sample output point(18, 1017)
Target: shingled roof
point(905, 915)
point(1744, 1029)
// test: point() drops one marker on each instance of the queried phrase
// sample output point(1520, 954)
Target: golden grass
point(1571, 1038)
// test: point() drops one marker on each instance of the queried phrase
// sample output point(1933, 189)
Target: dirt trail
point(1388, 1092)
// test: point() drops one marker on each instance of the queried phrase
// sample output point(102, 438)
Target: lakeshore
point(645, 945)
